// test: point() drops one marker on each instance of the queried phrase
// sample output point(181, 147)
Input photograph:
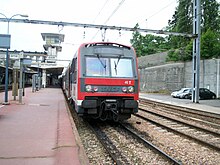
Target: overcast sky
point(149, 14)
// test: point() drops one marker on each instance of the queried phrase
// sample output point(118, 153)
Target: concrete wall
point(156, 75)
point(164, 77)
point(152, 60)
point(173, 76)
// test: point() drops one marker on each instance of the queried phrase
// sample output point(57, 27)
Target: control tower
point(52, 47)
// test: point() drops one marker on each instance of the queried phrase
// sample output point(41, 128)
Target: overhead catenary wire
point(154, 14)
point(114, 11)
point(100, 10)
point(95, 26)
point(159, 11)
point(178, 1)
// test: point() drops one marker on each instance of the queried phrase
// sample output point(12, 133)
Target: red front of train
point(104, 81)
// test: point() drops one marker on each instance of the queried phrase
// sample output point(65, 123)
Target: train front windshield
point(109, 67)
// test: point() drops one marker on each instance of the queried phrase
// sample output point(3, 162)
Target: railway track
point(113, 153)
point(112, 150)
point(202, 134)
point(113, 144)
point(201, 116)
point(122, 155)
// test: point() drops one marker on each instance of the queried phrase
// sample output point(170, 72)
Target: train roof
point(113, 44)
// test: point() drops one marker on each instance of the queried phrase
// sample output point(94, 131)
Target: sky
point(149, 14)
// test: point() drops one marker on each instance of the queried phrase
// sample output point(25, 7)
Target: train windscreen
point(109, 67)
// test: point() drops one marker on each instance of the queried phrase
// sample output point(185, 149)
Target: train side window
point(75, 70)
point(72, 71)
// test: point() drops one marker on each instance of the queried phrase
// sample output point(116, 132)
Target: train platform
point(40, 131)
point(212, 106)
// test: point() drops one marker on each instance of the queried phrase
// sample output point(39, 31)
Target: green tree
point(148, 44)
point(173, 55)
point(210, 15)
point(210, 19)
point(210, 45)
point(182, 23)
point(154, 44)
point(137, 41)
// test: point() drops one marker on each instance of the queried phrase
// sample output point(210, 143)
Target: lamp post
point(7, 57)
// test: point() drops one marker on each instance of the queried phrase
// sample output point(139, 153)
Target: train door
point(74, 79)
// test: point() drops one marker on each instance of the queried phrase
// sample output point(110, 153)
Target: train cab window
point(97, 66)
point(121, 67)
point(109, 67)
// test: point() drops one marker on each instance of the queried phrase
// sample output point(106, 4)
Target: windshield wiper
point(104, 65)
point(116, 64)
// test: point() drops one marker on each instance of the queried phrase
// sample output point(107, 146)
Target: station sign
point(5, 41)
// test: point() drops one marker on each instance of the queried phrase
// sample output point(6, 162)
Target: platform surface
point(40, 131)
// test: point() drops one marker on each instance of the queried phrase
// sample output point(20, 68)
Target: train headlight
point(88, 88)
point(124, 89)
point(130, 89)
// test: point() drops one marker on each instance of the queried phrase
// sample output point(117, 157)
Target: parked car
point(205, 93)
point(175, 94)
point(186, 94)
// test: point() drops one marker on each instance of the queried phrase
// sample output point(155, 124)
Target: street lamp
point(7, 57)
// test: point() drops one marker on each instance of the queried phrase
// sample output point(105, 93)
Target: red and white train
point(102, 81)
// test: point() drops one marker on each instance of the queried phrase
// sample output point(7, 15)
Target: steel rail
point(180, 133)
point(112, 155)
point(150, 144)
point(181, 122)
point(182, 109)
point(187, 117)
